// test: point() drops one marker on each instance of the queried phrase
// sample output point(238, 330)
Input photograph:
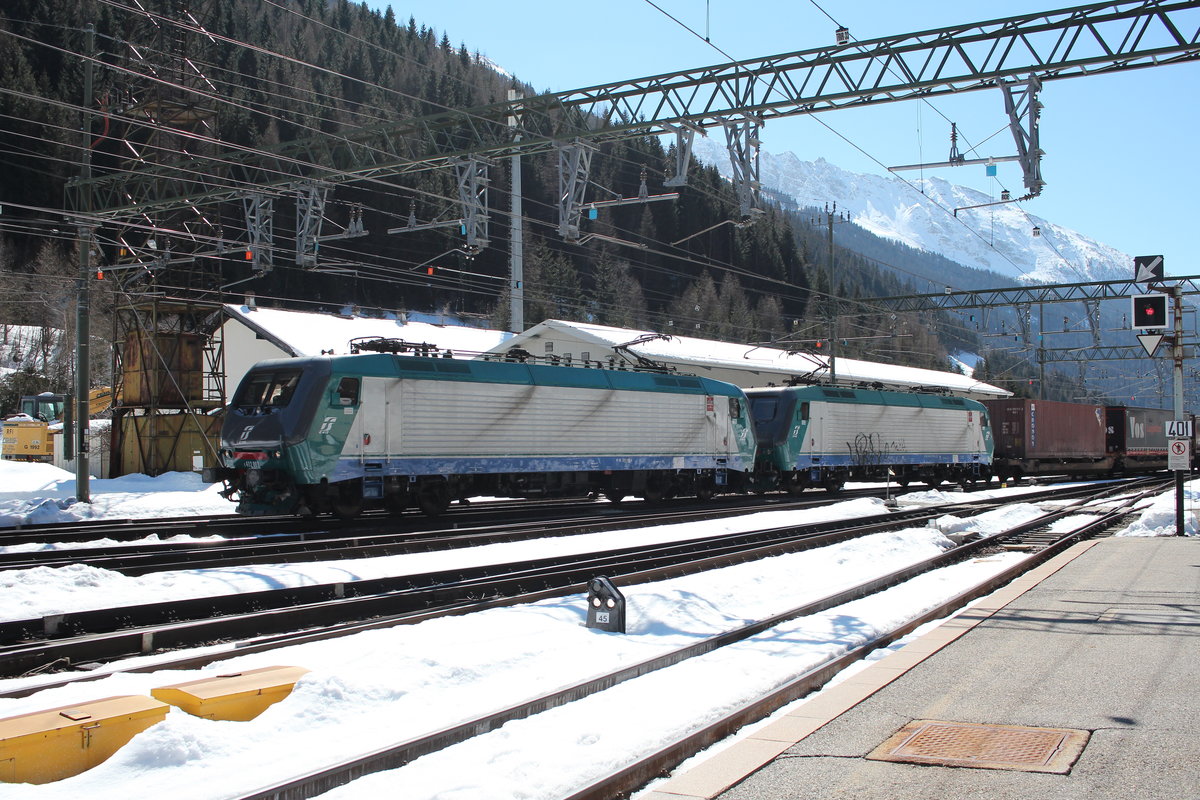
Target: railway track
point(74, 640)
point(378, 538)
point(631, 777)
point(241, 541)
point(90, 636)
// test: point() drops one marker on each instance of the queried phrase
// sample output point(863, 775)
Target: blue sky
point(1118, 161)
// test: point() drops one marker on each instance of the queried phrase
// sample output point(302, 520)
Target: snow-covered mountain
point(920, 214)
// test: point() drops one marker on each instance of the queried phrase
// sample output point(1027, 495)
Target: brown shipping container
point(1046, 429)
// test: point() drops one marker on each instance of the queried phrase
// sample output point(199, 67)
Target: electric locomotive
point(824, 436)
point(337, 433)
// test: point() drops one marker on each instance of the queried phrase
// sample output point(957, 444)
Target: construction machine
point(29, 434)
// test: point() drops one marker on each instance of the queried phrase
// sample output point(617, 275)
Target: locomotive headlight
point(278, 454)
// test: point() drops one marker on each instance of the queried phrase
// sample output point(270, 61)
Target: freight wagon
point(335, 433)
point(1044, 437)
point(825, 435)
point(1040, 437)
point(1137, 438)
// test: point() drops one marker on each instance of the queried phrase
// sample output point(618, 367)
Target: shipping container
point(1137, 437)
point(1048, 437)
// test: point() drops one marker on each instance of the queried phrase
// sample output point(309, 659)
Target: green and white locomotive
point(337, 433)
point(823, 436)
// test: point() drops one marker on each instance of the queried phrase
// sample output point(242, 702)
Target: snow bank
point(42, 494)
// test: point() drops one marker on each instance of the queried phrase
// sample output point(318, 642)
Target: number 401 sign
point(1179, 429)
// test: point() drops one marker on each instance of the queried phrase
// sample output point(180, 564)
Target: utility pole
point(1041, 351)
point(1177, 353)
point(831, 310)
point(83, 295)
point(516, 285)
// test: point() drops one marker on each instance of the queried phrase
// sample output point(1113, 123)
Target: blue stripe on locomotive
point(356, 467)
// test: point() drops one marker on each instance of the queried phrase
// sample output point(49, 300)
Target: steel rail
point(307, 540)
point(633, 777)
point(88, 636)
point(290, 538)
point(461, 517)
point(70, 639)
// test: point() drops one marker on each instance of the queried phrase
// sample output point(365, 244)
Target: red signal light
point(1150, 311)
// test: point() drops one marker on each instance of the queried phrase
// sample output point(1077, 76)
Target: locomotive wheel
point(348, 503)
point(614, 495)
point(656, 489)
point(833, 485)
point(433, 498)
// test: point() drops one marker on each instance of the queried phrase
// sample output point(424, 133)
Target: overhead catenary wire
point(675, 255)
point(859, 148)
point(450, 200)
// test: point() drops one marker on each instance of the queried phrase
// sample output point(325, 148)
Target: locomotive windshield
point(265, 390)
point(764, 408)
point(772, 412)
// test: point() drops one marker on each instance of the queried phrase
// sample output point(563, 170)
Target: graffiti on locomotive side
point(868, 449)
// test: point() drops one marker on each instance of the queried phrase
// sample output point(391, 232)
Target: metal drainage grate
point(965, 744)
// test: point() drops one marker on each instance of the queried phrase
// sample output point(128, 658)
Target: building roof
point(302, 333)
point(766, 361)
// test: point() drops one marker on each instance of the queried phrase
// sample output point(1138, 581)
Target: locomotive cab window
point(764, 408)
point(267, 391)
point(804, 412)
point(347, 392)
point(735, 408)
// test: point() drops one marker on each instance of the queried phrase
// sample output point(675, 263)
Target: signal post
point(1149, 313)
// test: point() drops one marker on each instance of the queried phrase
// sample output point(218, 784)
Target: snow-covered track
point(65, 641)
point(287, 539)
point(656, 764)
point(293, 540)
point(28, 547)
point(130, 530)
point(90, 636)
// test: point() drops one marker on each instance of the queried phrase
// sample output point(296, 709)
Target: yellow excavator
point(28, 433)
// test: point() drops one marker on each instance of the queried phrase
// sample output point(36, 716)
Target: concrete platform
point(1104, 639)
